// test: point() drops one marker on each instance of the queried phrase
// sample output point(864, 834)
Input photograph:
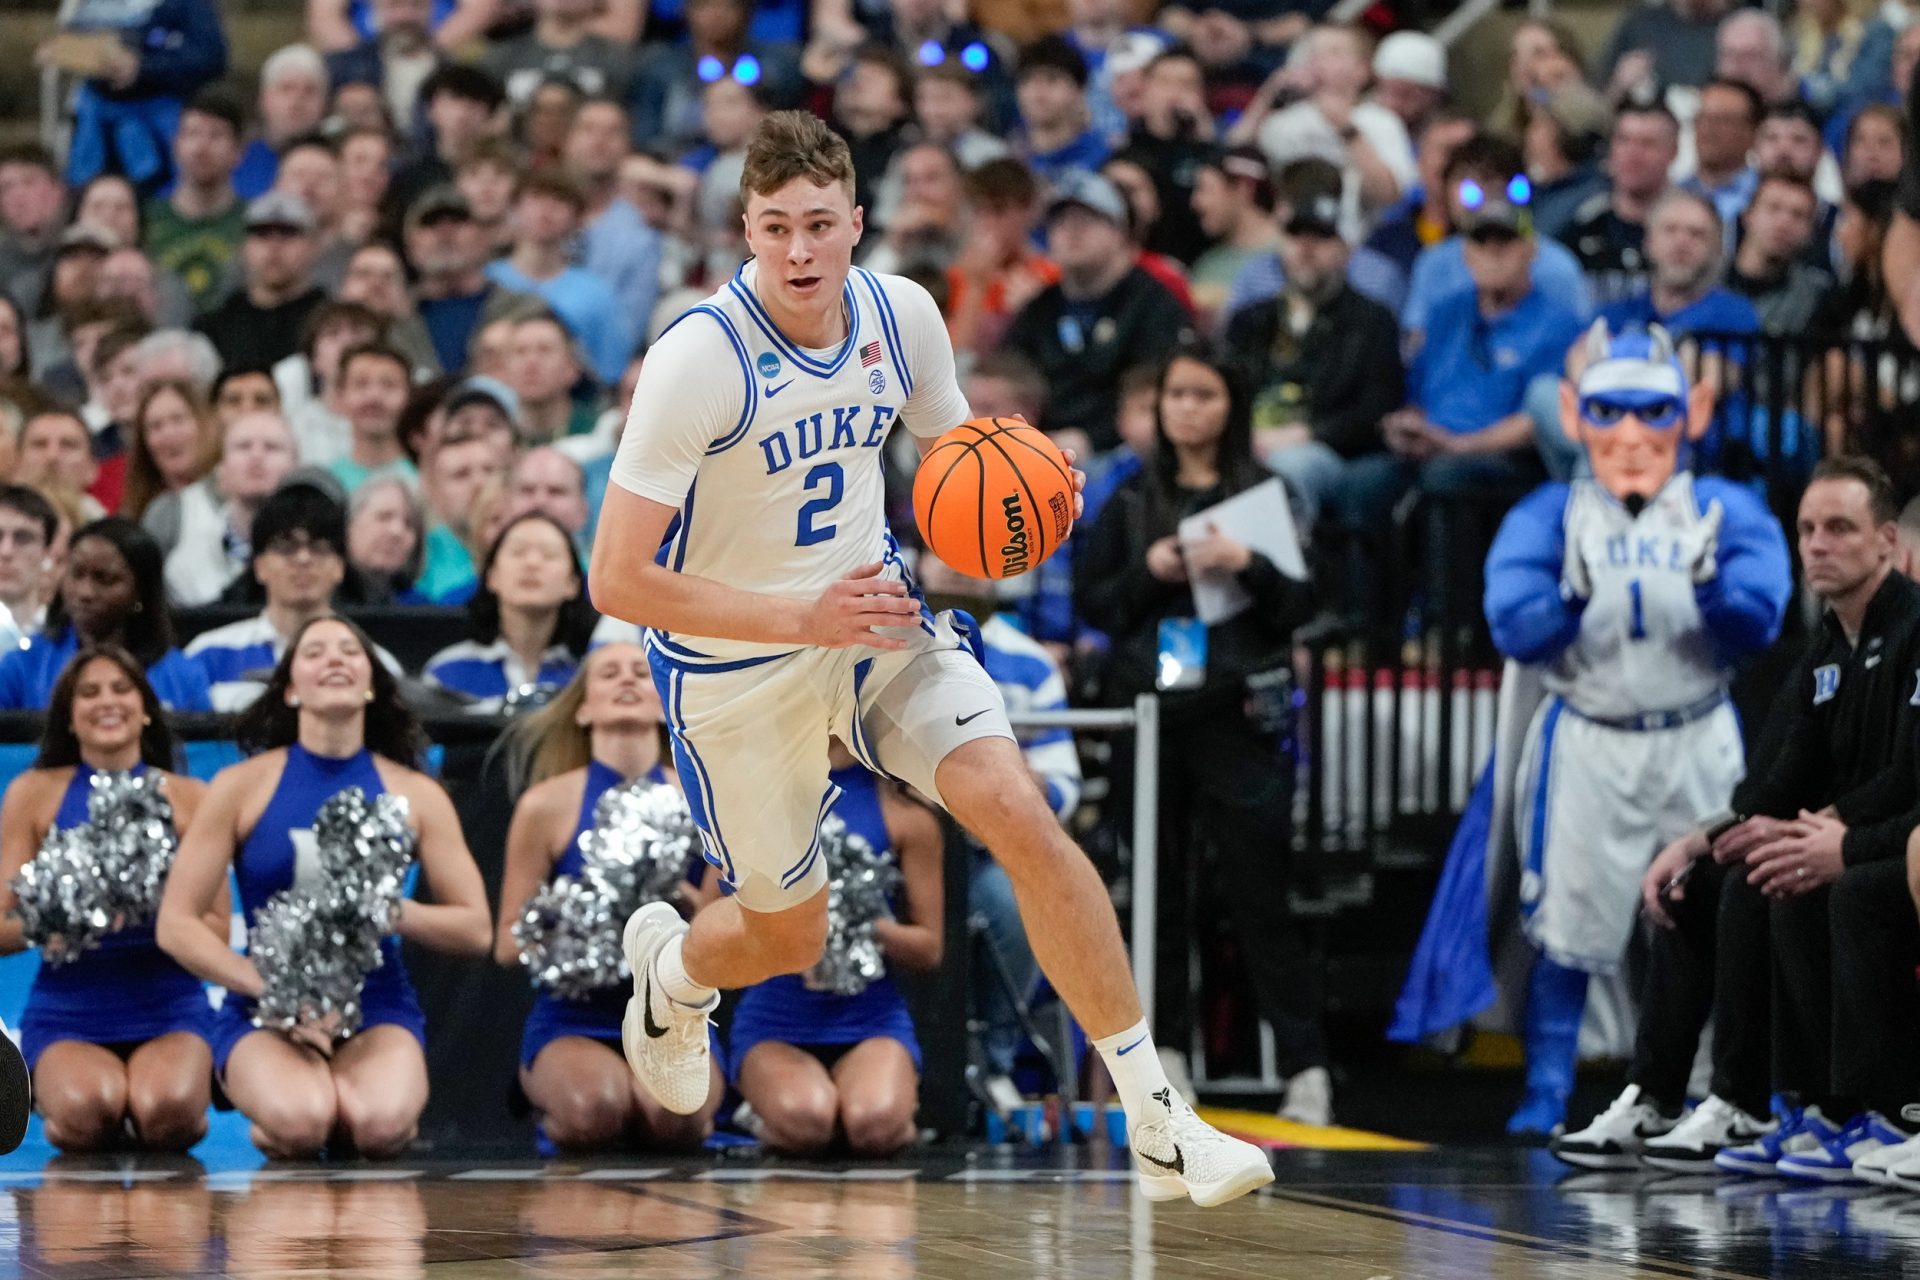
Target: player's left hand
point(1706, 560)
point(1803, 858)
point(1079, 486)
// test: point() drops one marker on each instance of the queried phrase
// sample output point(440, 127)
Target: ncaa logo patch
point(876, 381)
point(1826, 683)
point(769, 365)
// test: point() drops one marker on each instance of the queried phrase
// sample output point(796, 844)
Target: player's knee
point(795, 939)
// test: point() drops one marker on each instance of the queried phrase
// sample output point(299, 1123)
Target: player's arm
point(1531, 618)
point(1745, 600)
point(680, 407)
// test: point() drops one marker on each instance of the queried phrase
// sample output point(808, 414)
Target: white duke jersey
point(1642, 644)
point(772, 452)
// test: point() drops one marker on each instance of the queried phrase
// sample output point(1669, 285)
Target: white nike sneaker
point(1179, 1154)
point(1707, 1130)
point(1615, 1137)
point(665, 1041)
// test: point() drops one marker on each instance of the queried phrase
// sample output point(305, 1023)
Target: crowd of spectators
point(368, 335)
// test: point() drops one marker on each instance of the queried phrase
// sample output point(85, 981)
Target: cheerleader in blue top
point(331, 718)
point(814, 1064)
point(604, 730)
point(111, 592)
point(529, 620)
point(116, 1037)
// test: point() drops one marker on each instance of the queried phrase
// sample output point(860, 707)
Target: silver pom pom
point(636, 852)
point(315, 948)
point(860, 882)
point(107, 873)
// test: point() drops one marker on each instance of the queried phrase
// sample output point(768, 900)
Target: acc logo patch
point(769, 365)
point(1826, 683)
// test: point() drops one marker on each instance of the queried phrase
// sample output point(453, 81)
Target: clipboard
point(1262, 519)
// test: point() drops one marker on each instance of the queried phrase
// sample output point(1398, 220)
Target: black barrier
point(475, 1008)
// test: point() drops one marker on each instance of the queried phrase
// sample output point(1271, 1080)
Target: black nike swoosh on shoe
point(1178, 1164)
point(960, 720)
point(653, 1029)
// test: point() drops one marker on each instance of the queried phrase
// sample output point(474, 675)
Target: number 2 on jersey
point(829, 475)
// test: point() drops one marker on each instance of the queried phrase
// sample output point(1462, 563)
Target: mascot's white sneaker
point(665, 1041)
point(1176, 1154)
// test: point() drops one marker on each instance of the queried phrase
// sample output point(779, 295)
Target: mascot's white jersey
point(772, 452)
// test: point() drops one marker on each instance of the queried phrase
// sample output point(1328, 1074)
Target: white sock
point(670, 971)
point(1135, 1067)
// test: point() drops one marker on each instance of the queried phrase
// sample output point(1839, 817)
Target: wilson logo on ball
point(994, 497)
point(1013, 555)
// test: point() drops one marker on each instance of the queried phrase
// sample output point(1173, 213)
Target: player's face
point(803, 236)
point(620, 692)
point(1841, 545)
point(331, 670)
point(107, 712)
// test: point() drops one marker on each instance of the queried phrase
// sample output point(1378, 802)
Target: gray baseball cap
point(1089, 191)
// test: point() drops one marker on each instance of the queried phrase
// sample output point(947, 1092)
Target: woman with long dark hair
point(1224, 784)
point(604, 730)
point(111, 592)
point(116, 1036)
point(331, 719)
point(529, 621)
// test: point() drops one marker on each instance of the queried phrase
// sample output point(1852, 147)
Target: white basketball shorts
point(750, 742)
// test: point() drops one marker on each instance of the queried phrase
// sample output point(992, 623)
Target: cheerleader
point(813, 1064)
point(331, 718)
point(602, 731)
point(116, 1038)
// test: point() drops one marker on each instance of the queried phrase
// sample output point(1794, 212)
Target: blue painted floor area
point(226, 1147)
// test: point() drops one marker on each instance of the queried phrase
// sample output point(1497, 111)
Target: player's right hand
point(848, 611)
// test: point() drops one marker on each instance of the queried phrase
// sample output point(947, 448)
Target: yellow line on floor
point(1264, 1127)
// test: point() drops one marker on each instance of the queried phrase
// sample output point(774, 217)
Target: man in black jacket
point(1104, 317)
point(1324, 364)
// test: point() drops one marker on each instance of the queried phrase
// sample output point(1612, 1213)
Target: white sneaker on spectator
point(1613, 1139)
point(1309, 1098)
point(1706, 1131)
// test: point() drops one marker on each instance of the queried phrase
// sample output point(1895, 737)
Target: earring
point(369, 695)
point(146, 720)
point(293, 700)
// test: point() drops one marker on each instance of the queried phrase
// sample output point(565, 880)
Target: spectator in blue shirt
point(1056, 133)
point(1488, 164)
point(293, 100)
point(617, 243)
point(111, 592)
point(529, 622)
point(1466, 429)
point(547, 212)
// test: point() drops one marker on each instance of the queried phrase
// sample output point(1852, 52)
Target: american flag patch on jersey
point(870, 355)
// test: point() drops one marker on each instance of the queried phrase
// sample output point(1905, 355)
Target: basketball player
point(779, 612)
point(1634, 591)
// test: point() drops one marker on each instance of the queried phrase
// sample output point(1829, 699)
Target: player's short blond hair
point(794, 144)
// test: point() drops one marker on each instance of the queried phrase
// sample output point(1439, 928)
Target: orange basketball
point(994, 497)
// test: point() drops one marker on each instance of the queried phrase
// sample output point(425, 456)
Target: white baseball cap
point(1412, 55)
